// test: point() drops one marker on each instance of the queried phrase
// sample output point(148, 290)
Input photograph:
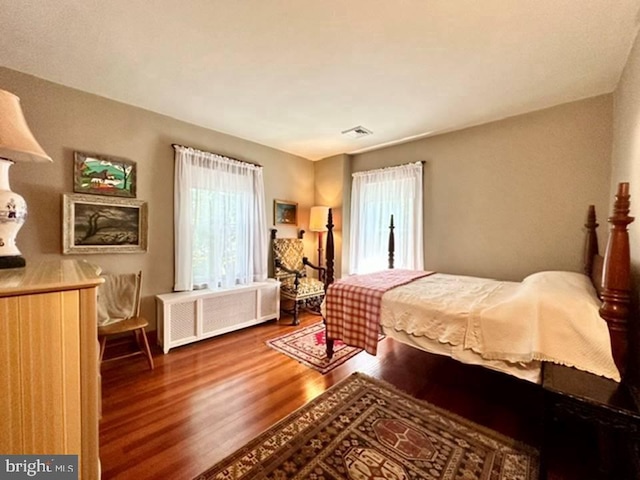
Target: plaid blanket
point(353, 306)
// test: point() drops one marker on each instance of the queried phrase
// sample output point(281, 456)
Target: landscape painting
point(93, 225)
point(285, 212)
point(104, 175)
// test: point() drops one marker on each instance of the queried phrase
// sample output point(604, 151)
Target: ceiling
point(293, 74)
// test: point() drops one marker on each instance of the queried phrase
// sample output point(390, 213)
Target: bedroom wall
point(333, 188)
point(64, 120)
point(626, 168)
point(509, 198)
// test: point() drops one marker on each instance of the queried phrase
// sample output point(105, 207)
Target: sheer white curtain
point(375, 195)
point(221, 234)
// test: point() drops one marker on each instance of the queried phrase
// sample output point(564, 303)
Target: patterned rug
point(308, 346)
point(365, 429)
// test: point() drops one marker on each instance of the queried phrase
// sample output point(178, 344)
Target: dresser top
point(49, 276)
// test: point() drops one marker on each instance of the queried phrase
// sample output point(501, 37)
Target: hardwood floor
point(205, 400)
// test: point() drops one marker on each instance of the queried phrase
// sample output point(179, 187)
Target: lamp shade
point(17, 143)
point(318, 219)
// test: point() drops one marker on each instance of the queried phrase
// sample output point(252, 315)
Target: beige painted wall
point(626, 168)
point(626, 146)
point(509, 198)
point(64, 120)
point(501, 200)
point(332, 188)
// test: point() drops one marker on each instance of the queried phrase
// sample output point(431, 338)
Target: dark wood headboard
point(611, 274)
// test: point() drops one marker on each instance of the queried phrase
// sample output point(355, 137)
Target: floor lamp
point(17, 144)
point(318, 223)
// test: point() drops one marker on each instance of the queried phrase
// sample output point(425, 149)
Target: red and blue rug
point(366, 429)
point(308, 346)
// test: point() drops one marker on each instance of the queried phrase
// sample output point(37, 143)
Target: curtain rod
point(392, 167)
point(177, 145)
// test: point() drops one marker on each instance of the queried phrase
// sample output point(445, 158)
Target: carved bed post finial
point(591, 241)
point(392, 243)
point(616, 281)
point(329, 277)
point(330, 251)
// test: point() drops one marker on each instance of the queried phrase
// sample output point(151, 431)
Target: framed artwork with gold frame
point(285, 212)
point(93, 224)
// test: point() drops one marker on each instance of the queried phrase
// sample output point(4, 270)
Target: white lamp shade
point(318, 219)
point(17, 143)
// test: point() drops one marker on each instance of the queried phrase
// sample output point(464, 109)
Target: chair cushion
point(290, 252)
point(308, 287)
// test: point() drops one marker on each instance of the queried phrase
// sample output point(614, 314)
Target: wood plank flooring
point(205, 400)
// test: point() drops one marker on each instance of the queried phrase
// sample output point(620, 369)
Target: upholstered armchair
point(289, 266)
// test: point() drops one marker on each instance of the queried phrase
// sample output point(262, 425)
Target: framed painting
point(104, 175)
point(285, 212)
point(103, 225)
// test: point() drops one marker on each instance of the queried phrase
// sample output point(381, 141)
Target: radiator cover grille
point(190, 316)
point(269, 301)
point(183, 323)
point(224, 311)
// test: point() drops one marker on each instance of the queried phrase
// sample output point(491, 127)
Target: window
point(375, 196)
point(220, 221)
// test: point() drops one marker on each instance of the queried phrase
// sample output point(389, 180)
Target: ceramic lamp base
point(13, 212)
point(15, 261)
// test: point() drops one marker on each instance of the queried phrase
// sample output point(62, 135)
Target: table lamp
point(17, 144)
point(318, 223)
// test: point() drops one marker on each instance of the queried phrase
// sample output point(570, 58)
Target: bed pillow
point(561, 285)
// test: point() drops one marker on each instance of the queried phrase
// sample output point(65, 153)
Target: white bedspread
point(550, 316)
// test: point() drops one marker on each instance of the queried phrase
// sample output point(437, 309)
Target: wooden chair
point(119, 312)
point(290, 269)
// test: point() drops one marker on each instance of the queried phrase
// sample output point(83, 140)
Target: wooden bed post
point(329, 277)
point(616, 281)
point(330, 252)
point(392, 243)
point(591, 241)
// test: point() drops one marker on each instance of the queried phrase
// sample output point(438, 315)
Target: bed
point(569, 318)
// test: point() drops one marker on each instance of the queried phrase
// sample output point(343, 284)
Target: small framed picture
point(285, 212)
point(103, 175)
point(94, 224)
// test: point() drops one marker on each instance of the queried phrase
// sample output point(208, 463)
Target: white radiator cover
point(186, 317)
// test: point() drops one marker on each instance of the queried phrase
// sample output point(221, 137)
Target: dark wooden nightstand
point(603, 403)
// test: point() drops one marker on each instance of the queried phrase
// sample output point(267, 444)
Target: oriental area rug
point(365, 429)
point(308, 346)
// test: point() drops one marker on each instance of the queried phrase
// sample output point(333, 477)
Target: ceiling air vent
point(357, 132)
